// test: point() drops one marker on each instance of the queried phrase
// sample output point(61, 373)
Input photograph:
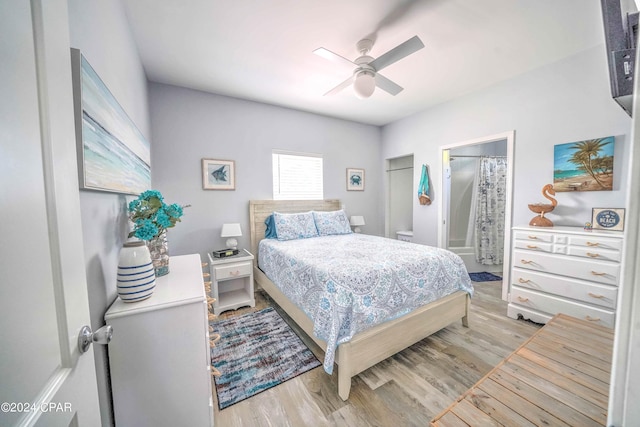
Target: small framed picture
point(355, 179)
point(218, 174)
point(607, 219)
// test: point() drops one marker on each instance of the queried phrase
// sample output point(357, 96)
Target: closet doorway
point(399, 209)
point(476, 207)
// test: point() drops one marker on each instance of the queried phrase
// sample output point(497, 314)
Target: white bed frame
point(369, 347)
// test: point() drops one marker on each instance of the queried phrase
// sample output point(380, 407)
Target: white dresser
point(159, 355)
point(565, 270)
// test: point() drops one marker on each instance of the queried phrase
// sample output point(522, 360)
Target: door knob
point(101, 336)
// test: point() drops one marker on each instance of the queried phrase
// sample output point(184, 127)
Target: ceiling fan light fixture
point(364, 84)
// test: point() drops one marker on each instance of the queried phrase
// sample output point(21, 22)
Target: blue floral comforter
point(348, 283)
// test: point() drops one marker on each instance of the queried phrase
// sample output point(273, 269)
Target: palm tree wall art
point(584, 165)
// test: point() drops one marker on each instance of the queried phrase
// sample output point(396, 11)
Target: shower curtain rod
point(494, 157)
point(399, 169)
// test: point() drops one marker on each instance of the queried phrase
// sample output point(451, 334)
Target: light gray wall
point(563, 102)
point(99, 28)
point(189, 125)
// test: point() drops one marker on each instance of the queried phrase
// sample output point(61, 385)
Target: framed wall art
point(113, 155)
point(607, 219)
point(218, 174)
point(584, 165)
point(355, 179)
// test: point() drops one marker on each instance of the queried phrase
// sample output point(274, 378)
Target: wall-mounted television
point(621, 35)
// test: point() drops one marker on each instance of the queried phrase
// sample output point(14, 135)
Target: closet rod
point(399, 169)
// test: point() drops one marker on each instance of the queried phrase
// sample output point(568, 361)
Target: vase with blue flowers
point(151, 217)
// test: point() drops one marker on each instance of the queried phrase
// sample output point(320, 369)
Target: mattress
point(348, 283)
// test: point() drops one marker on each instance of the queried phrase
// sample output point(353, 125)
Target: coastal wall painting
point(113, 155)
point(584, 165)
point(218, 174)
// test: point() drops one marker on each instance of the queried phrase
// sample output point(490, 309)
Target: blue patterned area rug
point(484, 277)
point(256, 351)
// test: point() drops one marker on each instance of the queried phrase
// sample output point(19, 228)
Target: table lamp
point(231, 231)
point(356, 221)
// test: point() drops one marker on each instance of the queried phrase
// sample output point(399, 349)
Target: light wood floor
point(408, 389)
point(564, 368)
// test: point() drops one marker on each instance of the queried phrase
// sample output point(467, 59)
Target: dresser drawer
point(554, 305)
point(595, 253)
point(592, 270)
point(596, 242)
point(533, 236)
point(233, 271)
point(593, 293)
point(534, 246)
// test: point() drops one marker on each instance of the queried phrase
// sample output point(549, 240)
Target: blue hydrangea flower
point(150, 194)
point(134, 204)
point(163, 219)
point(174, 210)
point(146, 230)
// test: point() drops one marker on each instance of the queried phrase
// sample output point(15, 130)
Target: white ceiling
point(261, 50)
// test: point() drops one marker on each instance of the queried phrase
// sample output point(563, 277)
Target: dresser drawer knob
point(234, 273)
point(591, 294)
point(592, 244)
point(533, 237)
point(595, 273)
point(524, 261)
point(592, 319)
point(532, 246)
point(523, 299)
point(521, 280)
point(593, 255)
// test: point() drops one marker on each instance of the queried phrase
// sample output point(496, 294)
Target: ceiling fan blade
point(341, 86)
point(327, 54)
point(397, 53)
point(387, 85)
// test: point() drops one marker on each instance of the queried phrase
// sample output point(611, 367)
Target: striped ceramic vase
point(136, 276)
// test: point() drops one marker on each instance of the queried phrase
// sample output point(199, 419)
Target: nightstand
point(232, 281)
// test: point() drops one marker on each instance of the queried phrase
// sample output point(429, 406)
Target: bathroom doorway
point(477, 203)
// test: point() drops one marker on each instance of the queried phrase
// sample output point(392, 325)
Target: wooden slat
point(450, 420)
point(542, 400)
point(563, 368)
point(473, 416)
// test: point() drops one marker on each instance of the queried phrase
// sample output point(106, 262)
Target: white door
point(44, 380)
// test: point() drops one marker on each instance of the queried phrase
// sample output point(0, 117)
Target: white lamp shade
point(356, 221)
point(364, 84)
point(231, 230)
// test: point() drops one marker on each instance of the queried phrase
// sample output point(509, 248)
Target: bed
point(368, 347)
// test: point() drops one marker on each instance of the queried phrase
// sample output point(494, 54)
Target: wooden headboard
point(259, 210)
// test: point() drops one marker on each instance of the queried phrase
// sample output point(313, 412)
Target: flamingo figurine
point(541, 209)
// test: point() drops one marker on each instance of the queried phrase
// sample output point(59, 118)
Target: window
point(297, 176)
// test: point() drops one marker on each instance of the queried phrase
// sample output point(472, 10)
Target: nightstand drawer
point(233, 271)
point(592, 270)
point(554, 305)
point(593, 293)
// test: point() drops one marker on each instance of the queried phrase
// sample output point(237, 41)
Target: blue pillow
point(295, 226)
point(270, 232)
point(330, 223)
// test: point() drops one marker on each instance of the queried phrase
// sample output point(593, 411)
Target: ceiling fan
point(366, 76)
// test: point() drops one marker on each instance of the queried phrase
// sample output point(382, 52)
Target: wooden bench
point(560, 376)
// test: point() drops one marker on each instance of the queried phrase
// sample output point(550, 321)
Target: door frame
point(443, 233)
